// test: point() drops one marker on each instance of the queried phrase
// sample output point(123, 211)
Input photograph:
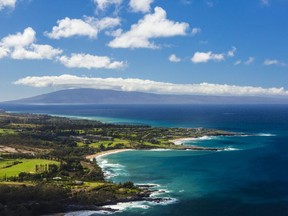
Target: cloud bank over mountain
point(150, 86)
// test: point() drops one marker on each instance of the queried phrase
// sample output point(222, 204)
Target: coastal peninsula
point(48, 164)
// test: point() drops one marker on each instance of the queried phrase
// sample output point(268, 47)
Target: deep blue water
point(251, 179)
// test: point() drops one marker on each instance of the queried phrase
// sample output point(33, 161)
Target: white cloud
point(140, 5)
point(209, 4)
point(7, 3)
point(155, 25)
point(35, 52)
point(250, 60)
point(106, 23)
point(115, 33)
point(265, 2)
point(174, 58)
point(196, 31)
point(231, 53)
point(71, 81)
point(238, 62)
point(90, 61)
point(269, 62)
point(89, 27)
point(204, 57)
point(19, 39)
point(186, 2)
point(4, 52)
point(104, 4)
point(22, 46)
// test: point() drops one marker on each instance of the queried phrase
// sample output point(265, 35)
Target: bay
point(250, 178)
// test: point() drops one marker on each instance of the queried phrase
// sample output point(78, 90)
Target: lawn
point(107, 144)
point(94, 184)
point(7, 131)
point(22, 126)
point(17, 183)
point(27, 165)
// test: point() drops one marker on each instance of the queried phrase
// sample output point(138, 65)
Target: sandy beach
point(104, 153)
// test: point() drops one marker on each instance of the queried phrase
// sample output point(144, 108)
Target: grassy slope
point(7, 131)
point(27, 165)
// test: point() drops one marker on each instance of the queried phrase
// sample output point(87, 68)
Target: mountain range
point(94, 96)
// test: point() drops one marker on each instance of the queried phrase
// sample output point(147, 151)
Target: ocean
point(249, 178)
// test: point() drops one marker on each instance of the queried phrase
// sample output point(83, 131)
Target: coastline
point(181, 141)
point(177, 142)
point(104, 153)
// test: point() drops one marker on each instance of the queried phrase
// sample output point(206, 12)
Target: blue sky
point(178, 47)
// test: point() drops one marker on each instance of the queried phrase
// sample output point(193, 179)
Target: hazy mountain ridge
point(94, 96)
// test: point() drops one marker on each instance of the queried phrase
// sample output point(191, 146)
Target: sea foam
point(110, 169)
point(88, 213)
point(128, 205)
point(265, 134)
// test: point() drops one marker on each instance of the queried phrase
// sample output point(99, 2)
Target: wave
point(128, 205)
point(187, 140)
point(201, 138)
point(160, 150)
point(159, 189)
point(148, 184)
point(265, 134)
point(166, 201)
point(111, 170)
point(120, 207)
point(257, 134)
point(88, 213)
point(231, 149)
point(160, 194)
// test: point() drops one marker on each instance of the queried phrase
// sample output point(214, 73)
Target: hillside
point(94, 96)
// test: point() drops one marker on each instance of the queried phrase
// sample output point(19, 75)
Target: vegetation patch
point(11, 168)
point(43, 165)
point(7, 131)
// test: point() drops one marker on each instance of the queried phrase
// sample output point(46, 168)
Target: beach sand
point(104, 153)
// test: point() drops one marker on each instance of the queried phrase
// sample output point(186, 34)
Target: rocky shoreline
point(145, 195)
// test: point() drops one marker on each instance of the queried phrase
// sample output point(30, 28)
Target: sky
point(203, 47)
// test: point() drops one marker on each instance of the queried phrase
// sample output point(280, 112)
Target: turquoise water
point(205, 183)
point(249, 178)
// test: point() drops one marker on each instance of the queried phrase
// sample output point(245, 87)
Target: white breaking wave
point(149, 184)
point(187, 140)
point(265, 134)
point(231, 149)
point(128, 205)
point(120, 207)
point(168, 201)
point(199, 139)
point(257, 134)
point(160, 150)
point(88, 213)
point(111, 170)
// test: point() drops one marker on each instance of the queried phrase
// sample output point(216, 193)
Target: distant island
point(48, 164)
point(94, 96)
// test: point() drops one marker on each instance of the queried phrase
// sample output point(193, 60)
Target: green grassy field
point(17, 183)
point(126, 143)
point(27, 165)
point(7, 131)
point(23, 125)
